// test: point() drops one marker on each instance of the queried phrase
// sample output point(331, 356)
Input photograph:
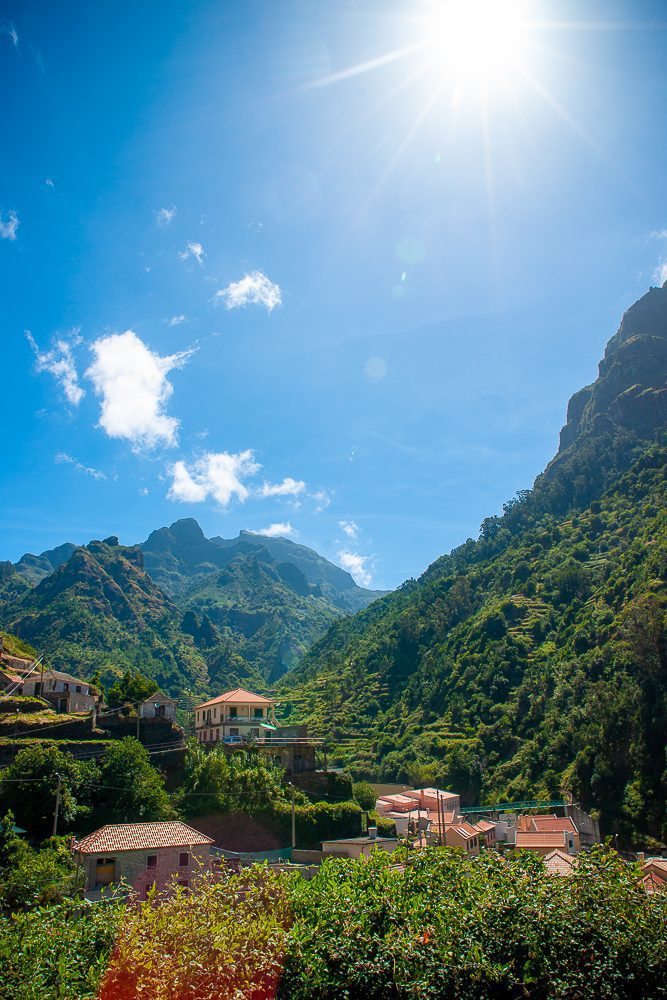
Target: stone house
point(141, 855)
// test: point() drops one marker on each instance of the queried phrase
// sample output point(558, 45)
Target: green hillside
point(532, 661)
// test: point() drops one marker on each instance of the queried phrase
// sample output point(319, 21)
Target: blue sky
point(300, 267)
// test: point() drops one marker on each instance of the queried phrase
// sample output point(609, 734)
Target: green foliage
point(223, 940)
point(130, 789)
point(449, 926)
point(14, 646)
point(56, 952)
point(432, 924)
point(532, 662)
point(129, 689)
point(365, 794)
point(28, 788)
point(243, 781)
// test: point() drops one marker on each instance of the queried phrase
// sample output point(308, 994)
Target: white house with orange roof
point(235, 716)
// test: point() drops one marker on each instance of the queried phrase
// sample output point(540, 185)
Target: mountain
point(101, 611)
point(196, 614)
point(531, 662)
point(181, 558)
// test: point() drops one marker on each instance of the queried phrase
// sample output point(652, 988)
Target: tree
point(130, 789)
point(365, 794)
point(28, 788)
point(131, 688)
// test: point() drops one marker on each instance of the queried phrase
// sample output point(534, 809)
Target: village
point(135, 858)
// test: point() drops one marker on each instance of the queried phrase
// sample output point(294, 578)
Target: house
point(65, 692)
point(544, 841)
point(356, 847)
point(435, 798)
point(158, 706)
point(464, 836)
point(416, 821)
point(486, 831)
point(141, 855)
point(549, 824)
point(559, 863)
point(235, 715)
point(654, 874)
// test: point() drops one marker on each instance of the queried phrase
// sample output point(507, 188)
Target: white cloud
point(195, 250)
point(132, 382)
point(252, 288)
point(59, 362)
point(278, 530)
point(177, 320)
point(658, 234)
point(8, 228)
point(62, 458)
point(350, 528)
point(165, 216)
point(660, 273)
point(216, 474)
point(288, 488)
point(49, 182)
point(322, 499)
point(144, 491)
point(376, 368)
point(355, 564)
point(7, 28)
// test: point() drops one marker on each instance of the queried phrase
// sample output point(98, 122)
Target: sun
point(482, 40)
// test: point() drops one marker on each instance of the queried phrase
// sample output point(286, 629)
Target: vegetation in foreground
point(428, 924)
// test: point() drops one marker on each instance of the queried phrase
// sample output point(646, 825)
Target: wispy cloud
point(288, 488)
point(131, 380)
point(7, 28)
point(59, 362)
point(658, 234)
point(322, 500)
point(660, 273)
point(351, 528)
point(62, 458)
point(165, 216)
point(219, 475)
point(281, 529)
point(177, 320)
point(254, 288)
point(8, 225)
point(194, 250)
point(356, 565)
point(49, 182)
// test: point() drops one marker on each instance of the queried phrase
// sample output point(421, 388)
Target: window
point(233, 732)
point(183, 859)
point(233, 712)
point(217, 734)
point(65, 686)
point(78, 689)
point(254, 732)
point(105, 871)
point(151, 861)
point(259, 713)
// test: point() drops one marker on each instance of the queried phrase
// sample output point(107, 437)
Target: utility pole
point(138, 718)
point(441, 819)
point(293, 819)
point(55, 811)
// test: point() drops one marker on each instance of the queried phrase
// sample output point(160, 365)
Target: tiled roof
point(549, 824)
point(532, 839)
point(238, 695)
point(485, 826)
point(433, 793)
point(559, 863)
point(140, 837)
point(464, 830)
point(653, 882)
point(397, 800)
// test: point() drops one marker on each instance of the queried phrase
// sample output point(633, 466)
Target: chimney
point(640, 857)
point(372, 832)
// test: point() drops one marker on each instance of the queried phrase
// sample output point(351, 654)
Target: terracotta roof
point(140, 837)
point(464, 830)
point(549, 824)
point(485, 826)
point(531, 839)
point(653, 882)
point(239, 695)
point(397, 800)
point(434, 793)
point(559, 863)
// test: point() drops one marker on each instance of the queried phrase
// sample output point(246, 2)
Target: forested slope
point(532, 661)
